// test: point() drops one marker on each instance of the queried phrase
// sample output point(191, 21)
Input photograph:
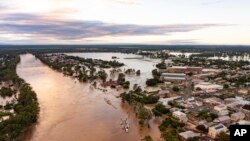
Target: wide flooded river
point(74, 111)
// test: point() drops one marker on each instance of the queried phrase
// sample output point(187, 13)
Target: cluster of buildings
point(188, 109)
point(195, 75)
point(207, 87)
point(210, 104)
point(179, 73)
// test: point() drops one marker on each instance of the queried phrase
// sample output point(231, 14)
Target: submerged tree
point(121, 78)
point(161, 65)
point(102, 75)
point(222, 137)
point(138, 72)
point(151, 82)
point(147, 138)
point(144, 114)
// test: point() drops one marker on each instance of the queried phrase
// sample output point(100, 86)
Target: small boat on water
point(125, 125)
point(126, 130)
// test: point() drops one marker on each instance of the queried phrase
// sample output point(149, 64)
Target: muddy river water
point(74, 111)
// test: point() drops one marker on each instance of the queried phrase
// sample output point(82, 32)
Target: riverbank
point(23, 108)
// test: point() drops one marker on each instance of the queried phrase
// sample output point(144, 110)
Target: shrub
point(176, 88)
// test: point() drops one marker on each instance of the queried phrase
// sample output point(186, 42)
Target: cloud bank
point(75, 30)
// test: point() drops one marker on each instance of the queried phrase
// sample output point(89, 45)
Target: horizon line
point(123, 44)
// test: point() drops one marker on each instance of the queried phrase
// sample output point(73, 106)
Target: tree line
point(26, 109)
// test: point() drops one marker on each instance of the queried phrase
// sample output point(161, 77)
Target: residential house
point(216, 130)
point(246, 111)
point(221, 110)
point(222, 119)
point(243, 122)
point(188, 134)
point(182, 117)
point(237, 116)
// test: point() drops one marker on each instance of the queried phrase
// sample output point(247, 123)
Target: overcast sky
point(125, 21)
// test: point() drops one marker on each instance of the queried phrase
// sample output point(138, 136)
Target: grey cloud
point(74, 30)
point(2, 7)
point(186, 41)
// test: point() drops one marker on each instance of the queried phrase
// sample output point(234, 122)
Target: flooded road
point(74, 111)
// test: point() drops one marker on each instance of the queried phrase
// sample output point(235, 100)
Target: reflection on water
point(73, 111)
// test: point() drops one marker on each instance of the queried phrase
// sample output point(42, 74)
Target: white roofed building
point(221, 109)
point(237, 116)
point(165, 101)
point(243, 122)
point(188, 134)
point(181, 116)
point(173, 77)
point(216, 130)
point(208, 87)
point(222, 119)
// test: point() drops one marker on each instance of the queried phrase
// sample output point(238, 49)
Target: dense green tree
point(151, 82)
point(176, 88)
point(144, 114)
point(198, 89)
point(222, 137)
point(225, 86)
point(161, 65)
point(156, 74)
point(138, 72)
point(121, 78)
point(129, 71)
point(126, 84)
point(207, 115)
point(147, 138)
point(139, 97)
point(102, 75)
point(202, 128)
point(26, 109)
point(175, 104)
point(4, 91)
point(160, 109)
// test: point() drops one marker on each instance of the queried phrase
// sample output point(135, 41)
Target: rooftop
point(175, 74)
point(244, 122)
point(179, 113)
point(219, 127)
point(222, 118)
point(174, 78)
point(188, 134)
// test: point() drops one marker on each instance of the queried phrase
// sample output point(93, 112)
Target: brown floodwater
point(74, 111)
